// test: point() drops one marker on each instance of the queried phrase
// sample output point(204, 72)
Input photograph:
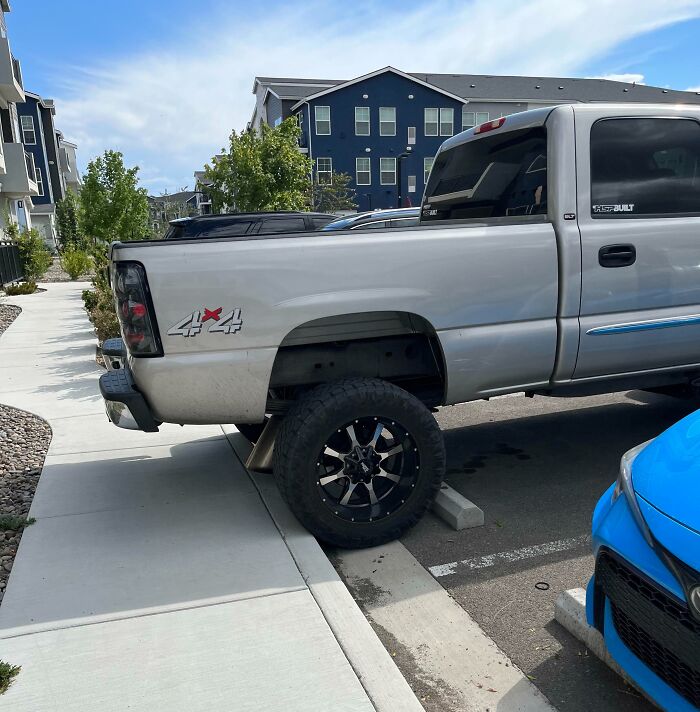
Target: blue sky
point(165, 81)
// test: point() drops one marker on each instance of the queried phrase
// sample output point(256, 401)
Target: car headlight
point(624, 484)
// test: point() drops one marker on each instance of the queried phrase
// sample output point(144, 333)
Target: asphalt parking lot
point(537, 467)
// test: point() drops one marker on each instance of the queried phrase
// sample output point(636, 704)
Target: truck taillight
point(490, 125)
point(135, 310)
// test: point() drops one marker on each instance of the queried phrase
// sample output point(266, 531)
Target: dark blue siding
point(384, 90)
point(30, 108)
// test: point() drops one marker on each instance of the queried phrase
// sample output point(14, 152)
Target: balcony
point(11, 88)
point(19, 180)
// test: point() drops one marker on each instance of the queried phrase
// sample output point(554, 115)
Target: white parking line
point(527, 552)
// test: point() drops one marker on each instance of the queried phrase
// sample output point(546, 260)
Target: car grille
point(657, 627)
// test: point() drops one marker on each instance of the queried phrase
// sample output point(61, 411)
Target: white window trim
point(329, 172)
point(382, 133)
point(387, 158)
point(412, 182)
point(39, 180)
point(31, 130)
point(450, 111)
point(368, 171)
point(436, 122)
point(482, 120)
point(316, 120)
point(465, 124)
point(368, 122)
point(411, 140)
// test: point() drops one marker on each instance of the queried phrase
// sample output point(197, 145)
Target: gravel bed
point(8, 313)
point(24, 440)
point(56, 273)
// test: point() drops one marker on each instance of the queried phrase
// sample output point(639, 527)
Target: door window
point(645, 167)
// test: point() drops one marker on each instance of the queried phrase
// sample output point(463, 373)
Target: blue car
point(645, 595)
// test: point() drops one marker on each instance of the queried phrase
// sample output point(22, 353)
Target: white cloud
point(171, 108)
point(629, 78)
point(695, 89)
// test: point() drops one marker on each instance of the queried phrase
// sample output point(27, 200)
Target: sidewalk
point(154, 577)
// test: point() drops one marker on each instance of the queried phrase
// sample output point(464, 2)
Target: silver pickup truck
point(558, 254)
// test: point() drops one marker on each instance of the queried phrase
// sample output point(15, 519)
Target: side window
point(645, 167)
point(282, 225)
point(371, 226)
point(320, 222)
point(234, 229)
point(492, 176)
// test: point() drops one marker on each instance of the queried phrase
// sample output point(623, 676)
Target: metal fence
point(10, 267)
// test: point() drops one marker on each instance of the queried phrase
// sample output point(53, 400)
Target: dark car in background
point(239, 224)
point(400, 217)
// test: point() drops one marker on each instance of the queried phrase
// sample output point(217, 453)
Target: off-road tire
point(319, 413)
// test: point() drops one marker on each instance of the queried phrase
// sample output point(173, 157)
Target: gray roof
point(490, 87)
point(181, 197)
point(494, 87)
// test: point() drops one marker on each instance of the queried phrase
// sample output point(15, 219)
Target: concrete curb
point(570, 612)
point(456, 510)
point(380, 677)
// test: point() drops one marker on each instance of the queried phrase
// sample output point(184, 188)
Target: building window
point(473, 118)
point(447, 121)
point(28, 132)
point(39, 181)
point(323, 120)
point(324, 170)
point(431, 122)
point(362, 121)
point(387, 121)
point(387, 171)
point(411, 184)
point(427, 166)
point(411, 135)
point(363, 174)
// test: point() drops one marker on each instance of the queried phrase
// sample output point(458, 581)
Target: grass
point(14, 522)
point(7, 674)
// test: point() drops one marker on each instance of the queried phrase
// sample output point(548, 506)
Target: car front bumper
point(639, 606)
point(125, 405)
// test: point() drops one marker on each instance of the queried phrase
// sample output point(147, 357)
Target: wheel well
point(399, 347)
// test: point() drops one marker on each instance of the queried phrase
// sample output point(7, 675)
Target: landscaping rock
point(8, 313)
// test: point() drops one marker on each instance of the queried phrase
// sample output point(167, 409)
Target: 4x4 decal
point(193, 323)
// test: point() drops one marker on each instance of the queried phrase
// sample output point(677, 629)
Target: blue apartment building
point(53, 158)
point(384, 128)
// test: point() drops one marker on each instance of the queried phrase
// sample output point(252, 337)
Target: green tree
point(334, 194)
point(68, 224)
point(264, 171)
point(112, 206)
point(33, 254)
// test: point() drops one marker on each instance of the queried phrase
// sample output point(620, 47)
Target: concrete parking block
point(262, 655)
point(456, 510)
point(570, 612)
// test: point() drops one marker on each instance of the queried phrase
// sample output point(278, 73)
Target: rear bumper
point(126, 407)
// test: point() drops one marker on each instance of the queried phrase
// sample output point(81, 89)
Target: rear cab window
point(493, 176)
point(645, 167)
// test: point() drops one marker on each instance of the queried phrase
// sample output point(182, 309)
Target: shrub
point(34, 255)
point(76, 262)
point(12, 290)
point(7, 674)
point(99, 304)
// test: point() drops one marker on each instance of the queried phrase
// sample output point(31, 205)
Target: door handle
point(617, 255)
